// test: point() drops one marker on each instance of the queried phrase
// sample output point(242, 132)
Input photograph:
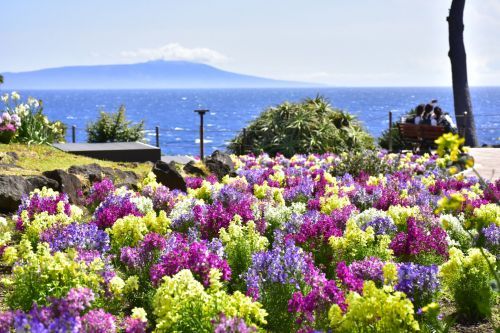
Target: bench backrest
point(420, 132)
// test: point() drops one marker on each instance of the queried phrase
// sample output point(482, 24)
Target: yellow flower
point(116, 285)
point(139, 313)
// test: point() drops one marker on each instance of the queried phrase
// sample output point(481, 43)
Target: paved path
point(487, 162)
point(181, 159)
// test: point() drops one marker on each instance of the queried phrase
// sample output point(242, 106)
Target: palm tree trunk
point(461, 93)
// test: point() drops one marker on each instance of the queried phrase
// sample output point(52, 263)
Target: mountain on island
point(149, 75)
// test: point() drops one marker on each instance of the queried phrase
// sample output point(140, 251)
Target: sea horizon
point(231, 109)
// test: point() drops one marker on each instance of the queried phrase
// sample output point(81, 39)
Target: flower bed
point(283, 246)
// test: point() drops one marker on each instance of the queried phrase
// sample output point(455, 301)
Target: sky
point(334, 42)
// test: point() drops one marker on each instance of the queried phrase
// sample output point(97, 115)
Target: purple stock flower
point(99, 191)
point(284, 264)
point(232, 325)
point(98, 321)
point(134, 325)
point(37, 204)
point(417, 240)
point(381, 226)
point(112, 208)
point(420, 283)
point(83, 236)
point(62, 315)
point(146, 252)
point(492, 237)
point(194, 256)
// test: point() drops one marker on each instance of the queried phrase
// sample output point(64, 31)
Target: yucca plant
point(310, 126)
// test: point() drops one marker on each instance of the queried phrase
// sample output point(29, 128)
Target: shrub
point(114, 127)
point(366, 161)
point(310, 126)
point(468, 278)
point(29, 123)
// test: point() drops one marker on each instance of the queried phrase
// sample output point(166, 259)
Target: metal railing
point(163, 136)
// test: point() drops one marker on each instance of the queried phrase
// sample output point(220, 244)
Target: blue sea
point(233, 109)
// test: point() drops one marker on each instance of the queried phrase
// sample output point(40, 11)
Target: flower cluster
point(283, 244)
point(195, 256)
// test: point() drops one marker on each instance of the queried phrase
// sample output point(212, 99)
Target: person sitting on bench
point(417, 118)
point(444, 119)
point(428, 116)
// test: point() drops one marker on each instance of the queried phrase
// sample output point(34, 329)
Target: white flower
point(33, 102)
point(21, 110)
point(5, 98)
point(45, 120)
point(15, 96)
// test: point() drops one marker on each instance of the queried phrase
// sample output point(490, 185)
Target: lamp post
point(201, 113)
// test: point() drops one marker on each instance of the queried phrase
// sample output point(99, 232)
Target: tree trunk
point(461, 93)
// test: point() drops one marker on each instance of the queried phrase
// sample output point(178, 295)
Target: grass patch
point(35, 159)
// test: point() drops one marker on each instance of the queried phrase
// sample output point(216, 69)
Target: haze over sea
point(232, 109)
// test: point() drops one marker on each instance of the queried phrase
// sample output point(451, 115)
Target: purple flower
point(492, 237)
point(146, 252)
point(134, 325)
point(62, 315)
point(98, 321)
point(232, 325)
point(37, 204)
point(420, 283)
point(99, 191)
point(113, 208)
point(82, 236)
point(381, 226)
point(284, 264)
point(194, 256)
point(418, 241)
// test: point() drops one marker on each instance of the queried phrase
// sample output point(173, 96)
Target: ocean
point(232, 109)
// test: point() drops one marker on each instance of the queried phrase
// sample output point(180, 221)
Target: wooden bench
point(419, 136)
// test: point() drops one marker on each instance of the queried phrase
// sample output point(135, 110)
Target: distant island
point(149, 75)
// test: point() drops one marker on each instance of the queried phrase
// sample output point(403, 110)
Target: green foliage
point(311, 126)
point(468, 279)
point(240, 243)
point(114, 127)
point(367, 161)
point(397, 143)
point(1, 79)
point(377, 310)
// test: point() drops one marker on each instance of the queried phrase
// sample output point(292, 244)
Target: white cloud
point(175, 51)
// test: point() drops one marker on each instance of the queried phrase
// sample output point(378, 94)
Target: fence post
point(390, 131)
point(73, 133)
point(201, 113)
point(243, 141)
point(157, 128)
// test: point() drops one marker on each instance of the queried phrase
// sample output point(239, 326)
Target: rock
point(125, 178)
point(192, 169)
point(220, 164)
point(12, 189)
point(68, 183)
point(35, 182)
point(94, 173)
point(167, 175)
